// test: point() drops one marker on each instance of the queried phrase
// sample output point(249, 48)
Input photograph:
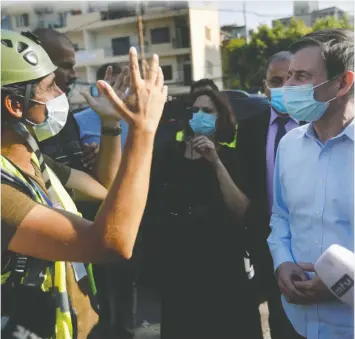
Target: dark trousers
point(268, 290)
point(116, 291)
point(117, 297)
point(205, 291)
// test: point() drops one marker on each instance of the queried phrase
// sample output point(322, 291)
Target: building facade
point(229, 32)
point(102, 32)
point(308, 12)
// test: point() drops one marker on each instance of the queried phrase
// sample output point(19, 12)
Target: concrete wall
point(77, 37)
point(162, 23)
point(203, 49)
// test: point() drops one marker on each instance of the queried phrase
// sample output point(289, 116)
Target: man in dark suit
point(258, 141)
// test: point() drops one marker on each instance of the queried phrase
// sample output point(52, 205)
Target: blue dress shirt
point(90, 127)
point(313, 209)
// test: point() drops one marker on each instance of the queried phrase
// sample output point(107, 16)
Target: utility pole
point(245, 21)
point(141, 37)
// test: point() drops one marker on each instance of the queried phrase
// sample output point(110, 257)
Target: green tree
point(332, 22)
point(244, 64)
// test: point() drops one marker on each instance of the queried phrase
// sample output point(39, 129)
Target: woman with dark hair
point(197, 199)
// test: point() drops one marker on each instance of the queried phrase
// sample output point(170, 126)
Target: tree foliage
point(244, 64)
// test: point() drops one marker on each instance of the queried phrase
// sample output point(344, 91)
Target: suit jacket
point(252, 138)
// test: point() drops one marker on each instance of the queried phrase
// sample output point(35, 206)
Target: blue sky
point(231, 11)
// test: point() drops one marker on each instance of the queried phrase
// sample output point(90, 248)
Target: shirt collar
point(348, 131)
point(274, 116)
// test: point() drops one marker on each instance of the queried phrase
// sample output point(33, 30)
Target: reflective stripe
point(54, 278)
point(233, 144)
point(63, 328)
point(62, 301)
point(92, 279)
point(48, 281)
point(4, 277)
point(180, 136)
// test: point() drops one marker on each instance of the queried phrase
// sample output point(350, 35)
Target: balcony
point(86, 58)
point(97, 20)
point(80, 22)
point(101, 56)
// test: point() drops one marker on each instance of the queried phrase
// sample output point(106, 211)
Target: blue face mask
point(277, 99)
point(301, 105)
point(203, 123)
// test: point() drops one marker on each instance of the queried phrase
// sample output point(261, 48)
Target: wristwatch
point(111, 130)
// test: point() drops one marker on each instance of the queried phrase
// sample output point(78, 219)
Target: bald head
point(61, 51)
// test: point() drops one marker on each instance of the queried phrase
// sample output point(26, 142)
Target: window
point(120, 46)
point(168, 72)
point(160, 35)
point(62, 19)
point(22, 20)
point(6, 22)
point(209, 67)
point(208, 33)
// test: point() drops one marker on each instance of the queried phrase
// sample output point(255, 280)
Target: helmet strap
point(26, 101)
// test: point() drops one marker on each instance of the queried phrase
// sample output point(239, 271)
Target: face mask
point(57, 110)
point(277, 99)
point(203, 123)
point(301, 105)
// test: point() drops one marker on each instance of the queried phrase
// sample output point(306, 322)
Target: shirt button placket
point(320, 199)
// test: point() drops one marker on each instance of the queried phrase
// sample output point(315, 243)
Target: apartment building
point(308, 12)
point(187, 39)
point(229, 32)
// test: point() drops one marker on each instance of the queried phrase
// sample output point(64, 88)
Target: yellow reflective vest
point(54, 279)
point(180, 136)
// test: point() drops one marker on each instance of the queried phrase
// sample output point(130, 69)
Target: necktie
point(281, 131)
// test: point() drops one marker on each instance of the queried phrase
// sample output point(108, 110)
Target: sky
point(263, 12)
point(258, 11)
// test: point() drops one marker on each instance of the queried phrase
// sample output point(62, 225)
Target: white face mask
point(57, 110)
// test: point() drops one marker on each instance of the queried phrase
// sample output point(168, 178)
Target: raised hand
point(101, 105)
point(143, 107)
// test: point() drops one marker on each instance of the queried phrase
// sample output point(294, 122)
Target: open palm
point(101, 105)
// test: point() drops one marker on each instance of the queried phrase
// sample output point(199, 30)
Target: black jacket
point(252, 138)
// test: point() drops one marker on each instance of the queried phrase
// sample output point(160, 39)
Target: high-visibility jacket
point(180, 136)
point(54, 278)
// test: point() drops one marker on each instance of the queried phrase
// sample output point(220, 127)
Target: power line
point(227, 10)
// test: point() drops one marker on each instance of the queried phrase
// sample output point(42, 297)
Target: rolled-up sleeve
point(279, 240)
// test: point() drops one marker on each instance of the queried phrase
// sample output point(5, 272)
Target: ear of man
point(13, 106)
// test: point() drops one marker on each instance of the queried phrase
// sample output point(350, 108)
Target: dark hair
point(202, 84)
point(337, 47)
point(15, 91)
point(225, 124)
point(100, 74)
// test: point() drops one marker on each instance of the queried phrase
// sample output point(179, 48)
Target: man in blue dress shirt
point(314, 182)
